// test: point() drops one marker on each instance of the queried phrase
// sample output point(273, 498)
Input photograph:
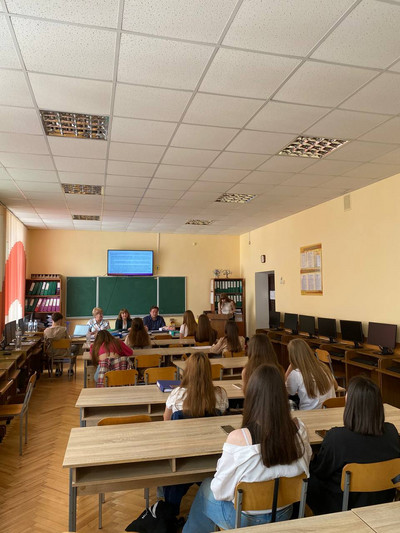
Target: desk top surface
point(178, 438)
point(226, 362)
point(172, 341)
point(384, 518)
point(141, 394)
point(137, 352)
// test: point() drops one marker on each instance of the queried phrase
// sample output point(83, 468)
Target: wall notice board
point(135, 293)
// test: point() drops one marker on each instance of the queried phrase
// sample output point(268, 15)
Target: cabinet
point(235, 289)
point(43, 294)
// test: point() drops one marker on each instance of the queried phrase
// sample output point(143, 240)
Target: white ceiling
point(201, 95)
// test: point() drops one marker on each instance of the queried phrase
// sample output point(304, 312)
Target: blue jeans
point(206, 511)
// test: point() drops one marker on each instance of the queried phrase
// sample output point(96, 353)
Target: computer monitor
point(382, 335)
point(307, 325)
point(9, 332)
point(274, 320)
point(352, 331)
point(290, 322)
point(327, 328)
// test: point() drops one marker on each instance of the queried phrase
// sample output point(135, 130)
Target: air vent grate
point(73, 188)
point(196, 222)
point(78, 125)
point(85, 217)
point(315, 147)
point(235, 198)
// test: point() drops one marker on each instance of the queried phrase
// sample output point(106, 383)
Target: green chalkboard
point(172, 295)
point(136, 294)
point(81, 296)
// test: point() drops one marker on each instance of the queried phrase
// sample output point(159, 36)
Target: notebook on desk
point(80, 331)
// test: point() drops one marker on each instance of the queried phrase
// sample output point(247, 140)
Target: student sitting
point(270, 444)
point(260, 352)
point(231, 341)
point(307, 377)
point(54, 333)
point(109, 353)
point(188, 328)
point(123, 321)
point(138, 336)
point(204, 331)
point(97, 323)
point(365, 438)
point(154, 321)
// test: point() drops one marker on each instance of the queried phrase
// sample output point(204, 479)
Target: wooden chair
point(279, 492)
point(325, 357)
point(65, 357)
point(228, 353)
point(120, 378)
point(369, 477)
point(134, 419)
point(20, 409)
point(152, 375)
point(205, 343)
point(334, 402)
point(163, 337)
point(148, 361)
point(217, 371)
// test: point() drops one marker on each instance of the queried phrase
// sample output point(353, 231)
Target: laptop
point(80, 331)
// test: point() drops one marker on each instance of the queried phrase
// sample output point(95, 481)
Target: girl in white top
point(270, 444)
point(307, 377)
point(197, 396)
point(188, 328)
point(226, 306)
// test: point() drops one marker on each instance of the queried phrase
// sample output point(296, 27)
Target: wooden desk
point(346, 522)
point(161, 453)
point(226, 362)
point(95, 404)
point(172, 341)
point(384, 518)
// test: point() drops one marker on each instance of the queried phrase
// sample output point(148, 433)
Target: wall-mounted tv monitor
point(274, 320)
point(130, 262)
point(327, 328)
point(290, 322)
point(352, 331)
point(382, 335)
point(307, 325)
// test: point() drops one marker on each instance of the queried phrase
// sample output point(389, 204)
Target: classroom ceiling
point(201, 96)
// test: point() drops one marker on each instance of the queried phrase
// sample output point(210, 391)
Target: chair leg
point(101, 510)
point(147, 497)
point(26, 428)
point(21, 431)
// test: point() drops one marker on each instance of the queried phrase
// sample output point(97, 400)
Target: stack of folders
point(167, 385)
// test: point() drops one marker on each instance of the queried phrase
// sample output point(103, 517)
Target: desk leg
point(82, 422)
point(72, 504)
point(84, 374)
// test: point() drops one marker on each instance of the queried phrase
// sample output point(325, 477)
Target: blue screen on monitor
point(129, 262)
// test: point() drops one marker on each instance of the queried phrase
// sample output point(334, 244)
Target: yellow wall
point(84, 253)
point(360, 257)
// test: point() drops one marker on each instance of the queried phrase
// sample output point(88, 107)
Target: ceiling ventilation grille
point(235, 198)
point(196, 222)
point(78, 125)
point(73, 188)
point(85, 217)
point(315, 147)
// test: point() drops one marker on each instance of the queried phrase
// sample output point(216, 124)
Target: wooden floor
point(34, 487)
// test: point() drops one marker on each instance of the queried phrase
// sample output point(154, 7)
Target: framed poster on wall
point(311, 269)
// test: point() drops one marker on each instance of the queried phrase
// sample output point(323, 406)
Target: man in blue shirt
point(153, 321)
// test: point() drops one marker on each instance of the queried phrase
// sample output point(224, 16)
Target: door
point(265, 297)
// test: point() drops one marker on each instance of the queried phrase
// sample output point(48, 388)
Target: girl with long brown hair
point(269, 445)
point(138, 336)
point(231, 341)
point(123, 321)
point(188, 328)
point(307, 377)
point(260, 352)
point(197, 396)
point(204, 331)
point(109, 353)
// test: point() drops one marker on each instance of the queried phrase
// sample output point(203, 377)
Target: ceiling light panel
point(85, 217)
point(80, 126)
point(197, 222)
point(231, 198)
point(314, 147)
point(70, 188)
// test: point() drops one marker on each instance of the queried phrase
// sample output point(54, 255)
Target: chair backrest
point(205, 343)
point(28, 393)
point(369, 477)
point(334, 402)
point(119, 378)
point(152, 375)
point(134, 419)
point(228, 353)
point(272, 494)
point(63, 344)
point(146, 361)
point(163, 337)
point(216, 371)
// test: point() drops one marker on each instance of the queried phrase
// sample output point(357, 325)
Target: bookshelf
point(43, 294)
point(235, 289)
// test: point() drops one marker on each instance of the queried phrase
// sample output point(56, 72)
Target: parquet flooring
point(34, 487)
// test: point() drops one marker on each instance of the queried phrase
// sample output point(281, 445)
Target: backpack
point(159, 518)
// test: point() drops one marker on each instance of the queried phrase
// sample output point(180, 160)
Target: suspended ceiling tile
point(141, 131)
point(161, 62)
point(240, 161)
point(40, 187)
point(270, 178)
point(178, 172)
point(14, 90)
point(61, 93)
point(75, 164)
point(392, 157)
point(162, 193)
point(58, 48)
point(340, 182)
point(373, 171)
point(206, 186)
point(83, 178)
point(330, 167)
point(305, 180)
point(30, 161)
point(189, 157)
point(135, 152)
point(239, 73)
point(216, 110)
point(341, 124)
point(33, 175)
point(381, 95)
point(389, 132)
point(125, 168)
point(91, 12)
point(126, 181)
point(175, 185)
point(90, 148)
point(8, 54)
point(19, 120)
point(206, 137)
point(368, 36)
point(260, 142)
point(166, 202)
point(223, 174)
point(131, 192)
point(361, 151)
point(281, 163)
point(20, 143)
point(323, 84)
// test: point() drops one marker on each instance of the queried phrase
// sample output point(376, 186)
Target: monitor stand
point(357, 345)
point(385, 351)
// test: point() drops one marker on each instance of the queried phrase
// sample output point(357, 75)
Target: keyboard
point(394, 369)
point(337, 354)
point(364, 361)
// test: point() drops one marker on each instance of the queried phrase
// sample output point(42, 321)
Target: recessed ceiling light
point(315, 147)
point(85, 217)
point(73, 188)
point(196, 222)
point(78, 125)
point(235, 198)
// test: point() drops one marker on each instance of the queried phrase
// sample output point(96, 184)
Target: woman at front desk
point(226, 306)
point(123, 321)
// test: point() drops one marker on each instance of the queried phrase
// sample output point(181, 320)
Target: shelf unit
point(235, 289)
point(43, 294)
